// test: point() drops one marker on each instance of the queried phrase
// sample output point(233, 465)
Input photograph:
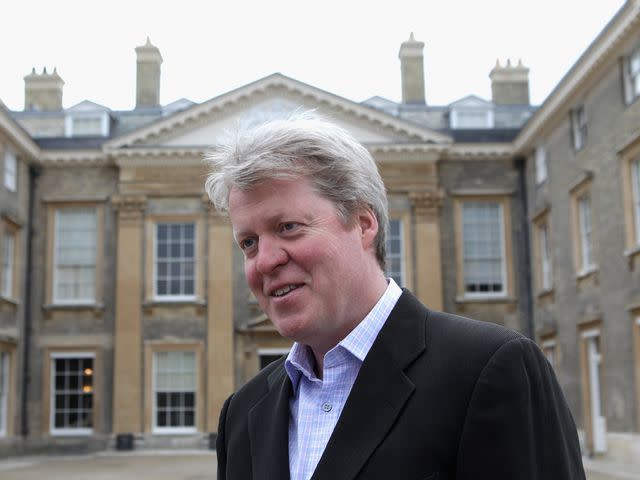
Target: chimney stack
point(43, 92)
point(148, 75)
point(412, 71)
point(509, 84)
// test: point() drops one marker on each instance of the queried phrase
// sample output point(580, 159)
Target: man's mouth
point(280, 292)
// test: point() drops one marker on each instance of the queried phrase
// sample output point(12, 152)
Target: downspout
point(520, 164)
point(34, 173)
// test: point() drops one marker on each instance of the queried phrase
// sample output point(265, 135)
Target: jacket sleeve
point(221, 448)
point(518, 424)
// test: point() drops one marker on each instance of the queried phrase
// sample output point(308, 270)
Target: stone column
point(127, 381)
point(220, 364)
point(428, 266)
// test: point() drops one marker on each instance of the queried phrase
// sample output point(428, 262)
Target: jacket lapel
point(379, 393)
point(269, 430)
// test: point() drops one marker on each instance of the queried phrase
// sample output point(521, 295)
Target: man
point(376, 386)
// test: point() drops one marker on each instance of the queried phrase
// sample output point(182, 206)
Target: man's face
point(304, 265)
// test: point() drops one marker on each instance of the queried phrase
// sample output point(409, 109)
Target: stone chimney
point(43, 92)
point(412, 71)
point(509, 84)
point(148, 75)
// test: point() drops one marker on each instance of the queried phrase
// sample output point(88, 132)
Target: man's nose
point(270, 256)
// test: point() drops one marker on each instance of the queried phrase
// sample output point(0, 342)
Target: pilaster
point(127, 385)
point(219, 314)
point(426, 208)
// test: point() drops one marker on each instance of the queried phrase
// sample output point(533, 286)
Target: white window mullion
point(10, 170)
point(8, 267)
point(586, 241)
point(75, 255)
point(4, 392)
point(483, 249)
point(635, 180)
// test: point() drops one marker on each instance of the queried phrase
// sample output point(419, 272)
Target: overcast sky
point(347, 47)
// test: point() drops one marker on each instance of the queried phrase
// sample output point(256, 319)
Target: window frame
point(56, 267)
point(55, 431)
point(579, 127)
point(630, 182)
point(457, 113)
point(504, 200)
point(5, 385)
point(580, 193)
point(13, 231)
point(168, 296)
point(541, 164)
point(150, 258)
point(149, 380)
point(543, 252)
point(631, 78)
point(10, 173)
point(102, 117)
point(50, 287)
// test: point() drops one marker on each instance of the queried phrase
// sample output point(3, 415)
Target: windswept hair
point(301, 146)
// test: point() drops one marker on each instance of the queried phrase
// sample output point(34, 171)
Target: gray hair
point(302, 146)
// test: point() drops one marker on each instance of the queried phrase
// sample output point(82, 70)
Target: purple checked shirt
point(316, 404)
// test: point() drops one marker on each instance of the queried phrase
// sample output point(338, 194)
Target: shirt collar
point(300, 359)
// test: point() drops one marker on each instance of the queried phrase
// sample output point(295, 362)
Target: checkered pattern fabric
point(317, 403)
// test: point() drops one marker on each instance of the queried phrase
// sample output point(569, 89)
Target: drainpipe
point(525, 262)
point(34, 173)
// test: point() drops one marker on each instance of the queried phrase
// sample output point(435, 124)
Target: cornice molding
point(479, 151)
point(65, 158)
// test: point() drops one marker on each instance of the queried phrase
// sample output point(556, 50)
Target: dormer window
point(83, 125)
point(87, 119)
point(470, 113)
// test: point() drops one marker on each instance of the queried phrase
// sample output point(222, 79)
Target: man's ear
point(367, 223)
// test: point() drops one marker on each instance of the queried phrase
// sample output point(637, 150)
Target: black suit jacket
point(438, 396)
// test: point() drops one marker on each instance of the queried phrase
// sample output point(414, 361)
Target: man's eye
point(247, 243)
point(288, 226)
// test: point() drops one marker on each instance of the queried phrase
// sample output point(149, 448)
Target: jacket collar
point(381, 390)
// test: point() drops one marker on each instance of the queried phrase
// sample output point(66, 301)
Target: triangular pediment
point(471, 101)
point(274, 96)
point(87, 106)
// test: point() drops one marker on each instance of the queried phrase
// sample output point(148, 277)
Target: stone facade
point(162, 328)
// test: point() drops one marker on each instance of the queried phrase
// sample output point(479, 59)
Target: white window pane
point(483, 247)
point(75, 254)
point(174, 273)
point(635, 180)
point(10, 170)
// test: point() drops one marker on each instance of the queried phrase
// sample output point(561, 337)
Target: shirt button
point(326, 407)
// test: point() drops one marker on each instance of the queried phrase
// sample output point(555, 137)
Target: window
point(4, 392)
point(72, 380)
point(541, 164)
point(94, 124)
point(546, 273)
point(471, 118)
point(175, 260)
point(395, 253)
point(75, 255)
point(8, 263)
point(631, 76)
point(10, 170)
point(174, 391)
point(483, 248)
point(579, 127)
point(635, 194)
point(586, 239)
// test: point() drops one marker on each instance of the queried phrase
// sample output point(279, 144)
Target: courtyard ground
point(185, 465)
